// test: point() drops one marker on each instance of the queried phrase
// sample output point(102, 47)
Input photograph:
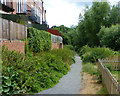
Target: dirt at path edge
point(89, 84)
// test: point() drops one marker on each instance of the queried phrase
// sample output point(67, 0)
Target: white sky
point(66, 12)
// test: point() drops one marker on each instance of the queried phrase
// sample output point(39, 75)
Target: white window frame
point(19, 2)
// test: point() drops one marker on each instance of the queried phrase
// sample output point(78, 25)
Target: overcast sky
point(66, 12)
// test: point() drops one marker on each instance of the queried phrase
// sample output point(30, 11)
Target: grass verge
point(89, 68)
point(102, 91)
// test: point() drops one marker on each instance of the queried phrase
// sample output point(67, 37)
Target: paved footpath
point(70, 83)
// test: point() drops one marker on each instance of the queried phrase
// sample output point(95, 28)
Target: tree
point(110, 37)
point(90, 24)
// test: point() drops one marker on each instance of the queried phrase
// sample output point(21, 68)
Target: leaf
point(6, 89)
point(6, 77)
point(8, 82)
point(1, 90)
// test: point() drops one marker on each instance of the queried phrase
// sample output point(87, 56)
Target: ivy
point(39, 40)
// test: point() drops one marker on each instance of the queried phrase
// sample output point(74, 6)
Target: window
point(40, 5)
point(25, 6)
point(19, 6)
point(4, 2)
point(1, 1)
point(41, 19)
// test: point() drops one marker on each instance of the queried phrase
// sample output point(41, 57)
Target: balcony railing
point(7, 7)
point(35, 19)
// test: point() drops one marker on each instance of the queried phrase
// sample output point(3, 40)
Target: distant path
point(70, 83)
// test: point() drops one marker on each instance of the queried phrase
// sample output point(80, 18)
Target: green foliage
point(69, 46)
point(22, 19)
point(93, 54)
point(39, 40)
point(110, 37)
point(89, 68)
point(11, 80)
point(32, 74)
point(113, 17)
point(90, 24)
point(66, 33)
point(84, 50)
point(102, 91)
point(39, 26)
point(28, 52)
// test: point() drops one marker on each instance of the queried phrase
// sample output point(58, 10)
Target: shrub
point(32, 74)
point(84, 49)
point(69, 46)
point(39, 40)
point(110, 37)
point(66, 54)
point(93, 54)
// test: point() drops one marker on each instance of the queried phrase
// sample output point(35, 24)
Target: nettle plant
point(39, 40)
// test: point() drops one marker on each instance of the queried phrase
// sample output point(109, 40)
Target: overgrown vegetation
point(89, 26)
point(39, 40)
point(103, 90)
point(32, 74)
point(90, 68)
point(110, 37)
point(93, 54)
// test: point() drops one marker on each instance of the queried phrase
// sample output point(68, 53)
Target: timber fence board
point(10, 30)
point(108, 80)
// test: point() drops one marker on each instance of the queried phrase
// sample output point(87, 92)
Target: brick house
point(6, 7)
point(11, 33)
point(33, 8)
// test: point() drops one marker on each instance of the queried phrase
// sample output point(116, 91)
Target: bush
point(33, 74)
point(69, 46)
point(110, 37)
point(66, 54)
point(93, 54)
point(39, 40)
point(84, 49)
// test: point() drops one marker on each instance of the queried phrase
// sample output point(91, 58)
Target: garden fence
point(110, 82)
point(10, 30)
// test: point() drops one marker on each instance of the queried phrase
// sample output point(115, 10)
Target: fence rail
point(12, 31)
point(111, 84)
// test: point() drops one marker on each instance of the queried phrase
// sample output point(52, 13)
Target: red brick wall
point(18, 46)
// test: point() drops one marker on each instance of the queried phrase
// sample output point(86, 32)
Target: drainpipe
point(45, 15)
point(42, 12)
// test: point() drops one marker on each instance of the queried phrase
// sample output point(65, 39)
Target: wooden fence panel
point(0, 28)
point(115, 87)
point(11, 30)
point(16, 30)
point(110, 82)
point(4, 31)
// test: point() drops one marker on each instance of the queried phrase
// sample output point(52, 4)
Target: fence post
point(25, 30)
point(9, 36)
point(1, 29)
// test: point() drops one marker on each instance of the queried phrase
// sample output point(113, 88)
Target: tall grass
point(89, 68)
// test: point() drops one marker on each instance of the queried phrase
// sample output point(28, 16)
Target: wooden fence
point(12, 31)
point(111, 84)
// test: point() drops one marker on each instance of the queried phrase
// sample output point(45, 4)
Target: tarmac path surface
point(70, 83)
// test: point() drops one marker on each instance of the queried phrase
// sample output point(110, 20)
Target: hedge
point(39, 40)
